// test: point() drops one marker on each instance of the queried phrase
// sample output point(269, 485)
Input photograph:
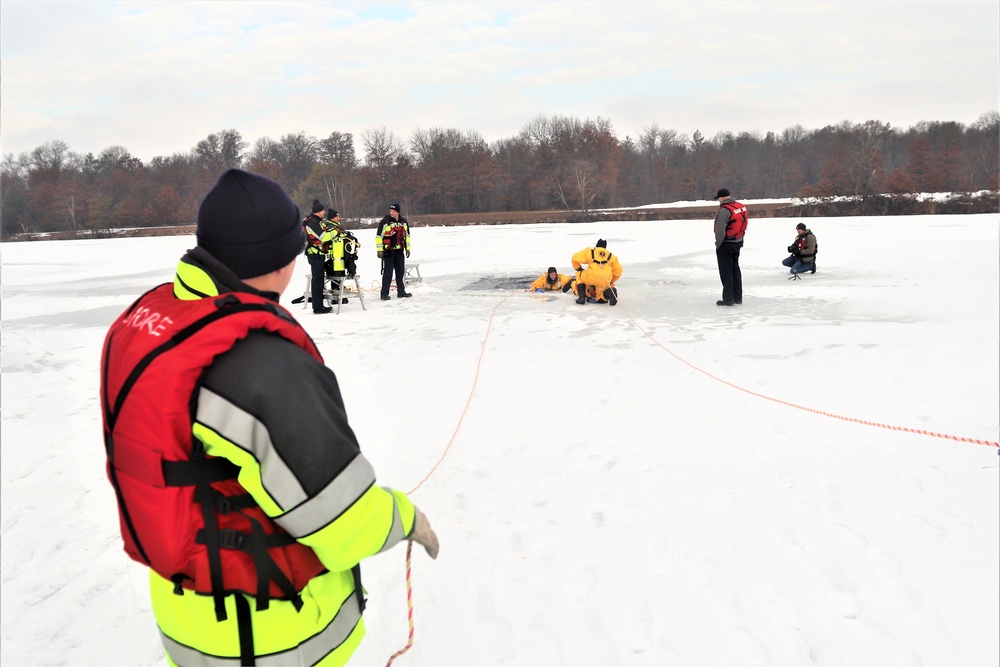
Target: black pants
point(393, 261)
point(318, 272)
point(728, 255)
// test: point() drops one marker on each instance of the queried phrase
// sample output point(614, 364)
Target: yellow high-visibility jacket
point(317, 235)
point(383, 235)
point(277, 413)
point(336, 255)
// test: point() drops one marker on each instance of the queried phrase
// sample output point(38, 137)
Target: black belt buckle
point(230, 539)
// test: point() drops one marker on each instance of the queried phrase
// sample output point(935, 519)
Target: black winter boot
point(568, 286)
point(581, 290)
point(611, 294)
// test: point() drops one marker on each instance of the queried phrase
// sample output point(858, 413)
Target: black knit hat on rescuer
point(394, 207)
point(331, 214)
point(801, 226)
point(601, 243)
point(722, 193)
point(317, 206)
point(250, 224)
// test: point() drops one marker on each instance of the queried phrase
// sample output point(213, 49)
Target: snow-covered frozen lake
point(664, 482)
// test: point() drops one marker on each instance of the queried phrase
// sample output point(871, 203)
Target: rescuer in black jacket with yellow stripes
point(317, 245)
point(392, 243)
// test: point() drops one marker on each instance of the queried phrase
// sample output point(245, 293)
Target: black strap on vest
point(594, 260)
point(199, 471)
point(359, 592)
point(204, 495)
point(256, 543)
point(245, 629)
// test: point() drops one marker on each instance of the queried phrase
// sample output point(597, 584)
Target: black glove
point(791, 249)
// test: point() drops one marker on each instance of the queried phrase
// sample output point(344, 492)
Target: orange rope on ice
point(409, 546)
point(409, 606)
point(472, 390)
point(905, 429)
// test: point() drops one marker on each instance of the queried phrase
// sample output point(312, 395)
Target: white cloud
point(158, 77)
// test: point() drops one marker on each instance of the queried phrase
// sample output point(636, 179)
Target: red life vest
point(394, 237)
point(800, 243)
point(181, 513)
point(737, 225)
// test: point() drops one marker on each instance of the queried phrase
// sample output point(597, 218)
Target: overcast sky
point(157, 77)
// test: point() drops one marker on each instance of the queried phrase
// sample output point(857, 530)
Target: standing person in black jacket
point(392, 241)
point(317, 245)
point(730, 225)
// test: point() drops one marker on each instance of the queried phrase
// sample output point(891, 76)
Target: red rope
point(409, 546)
point(975, 441)
point(472, 390)
point(409, 606)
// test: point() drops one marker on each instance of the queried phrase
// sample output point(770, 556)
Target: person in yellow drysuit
point(601, 273)
point(551, 281)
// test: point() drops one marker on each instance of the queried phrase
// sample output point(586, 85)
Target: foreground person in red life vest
point(238, 478)
point(730, 226)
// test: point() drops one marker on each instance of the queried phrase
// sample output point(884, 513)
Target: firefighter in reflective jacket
point(317, 246)
point(252, 520)
point(598, 279)
point(551, 281)
point(392, 244)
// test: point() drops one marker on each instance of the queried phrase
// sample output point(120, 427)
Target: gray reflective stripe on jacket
point(248, 433)
point(309, 652)
point(338, 497)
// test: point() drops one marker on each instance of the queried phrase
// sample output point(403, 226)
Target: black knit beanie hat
point(601, 243)
point(331, 214)
point(317, 206)
point(801, 226)
point(250, 224)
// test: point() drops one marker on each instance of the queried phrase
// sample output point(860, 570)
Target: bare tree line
point(553, 162)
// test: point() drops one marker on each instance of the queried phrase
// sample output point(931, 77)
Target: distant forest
point(554, 162)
